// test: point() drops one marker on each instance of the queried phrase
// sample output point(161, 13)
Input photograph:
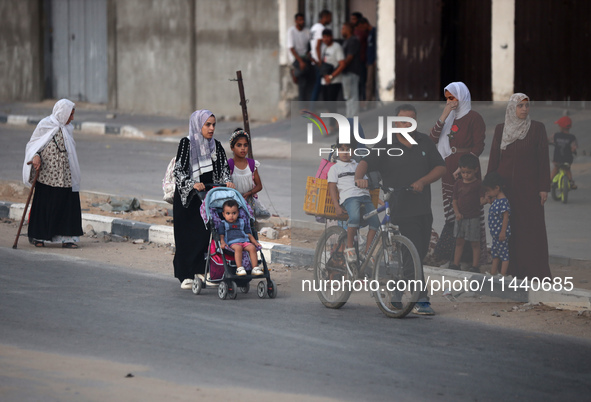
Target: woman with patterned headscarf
point(55, 211)
point(200, 160)
point(459, 131)
point(519, 153)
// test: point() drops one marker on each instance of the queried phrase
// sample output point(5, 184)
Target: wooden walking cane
point(26, 206)
point(244, 110)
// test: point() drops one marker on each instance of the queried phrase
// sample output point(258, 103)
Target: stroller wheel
point(223, 290)
point(245, 288)
point(272, 289)
point(262, 290)
point(197, 285)
point(232, 290)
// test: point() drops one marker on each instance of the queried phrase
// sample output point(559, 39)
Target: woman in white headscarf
point(459, 130)
point(200, 160)
point(519, 153)
point(55, 211)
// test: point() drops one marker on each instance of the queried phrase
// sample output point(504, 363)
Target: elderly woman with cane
point(55, 212)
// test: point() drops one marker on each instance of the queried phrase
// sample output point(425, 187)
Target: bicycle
point(392, 262)
point(560, 184)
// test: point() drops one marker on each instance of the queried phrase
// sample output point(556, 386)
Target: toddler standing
point(466, 202)
point(498, 222)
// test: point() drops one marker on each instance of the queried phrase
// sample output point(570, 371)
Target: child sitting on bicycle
point(467, 199)
point(348, 199)
point(498, 222)
point(565, 146)
point(232, 230)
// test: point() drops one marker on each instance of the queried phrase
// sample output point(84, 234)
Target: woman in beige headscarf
point(55, 211)
point(519, 153)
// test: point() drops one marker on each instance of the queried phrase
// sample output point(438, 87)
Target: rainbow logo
point(316, 120)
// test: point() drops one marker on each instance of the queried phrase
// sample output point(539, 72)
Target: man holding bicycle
point(418, 167)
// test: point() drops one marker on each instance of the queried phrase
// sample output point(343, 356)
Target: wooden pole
point(244, 110)
point(26, 207)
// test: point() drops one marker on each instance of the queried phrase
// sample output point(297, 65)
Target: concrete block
point(5, 209)
point(94, 128)
point(17, 120)
point(16, 211)
point(109, 129)
point(293, 256)
point(161, 234)
point(99, 223)
point(131, 229)
point(130, 131)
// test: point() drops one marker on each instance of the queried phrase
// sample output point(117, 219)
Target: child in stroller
point(232, 229)
point(220, 267)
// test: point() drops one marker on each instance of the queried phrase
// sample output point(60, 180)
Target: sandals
point(39, 243)
point(69, 245)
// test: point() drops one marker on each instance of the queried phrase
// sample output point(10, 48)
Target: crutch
point(26, 206)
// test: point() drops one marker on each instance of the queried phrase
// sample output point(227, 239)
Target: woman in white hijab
point(519, 153)
point(55, 211)
point(459, 130)
point(200, 160)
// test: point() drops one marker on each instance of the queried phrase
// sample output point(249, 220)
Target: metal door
point(418, 39)
point(79, 50)
point(552, 42)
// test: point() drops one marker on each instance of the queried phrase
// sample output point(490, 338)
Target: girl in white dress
point(245, 174)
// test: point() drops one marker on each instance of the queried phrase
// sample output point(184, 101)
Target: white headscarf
point(45, 131)
point(461, 92)
point(202, 150)
point(515, 128)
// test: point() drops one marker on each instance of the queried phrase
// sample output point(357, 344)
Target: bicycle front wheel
point(555, 191)
point(331, 274)
point(398, 273)
point(564, 186)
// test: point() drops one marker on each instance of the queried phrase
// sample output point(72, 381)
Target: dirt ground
point(156, 214)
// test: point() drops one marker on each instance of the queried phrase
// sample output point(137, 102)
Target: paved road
point(131, 167)
point(290, 344)
point(134, 167)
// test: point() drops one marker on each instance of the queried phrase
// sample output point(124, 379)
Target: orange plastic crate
point(318, 201)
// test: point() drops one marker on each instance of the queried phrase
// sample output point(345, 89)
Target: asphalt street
point(289, 344)
point(132, 167)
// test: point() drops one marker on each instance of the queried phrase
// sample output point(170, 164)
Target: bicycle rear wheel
point(564, 186)
point(398, 272)
point(330, 268)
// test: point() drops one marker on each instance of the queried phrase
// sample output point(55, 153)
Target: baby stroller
point(220, 267)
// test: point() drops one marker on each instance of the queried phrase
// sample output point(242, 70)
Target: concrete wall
point(238, 35)
point(20, 51)
point(503, 49)
point(386, 49)
point(154, 53)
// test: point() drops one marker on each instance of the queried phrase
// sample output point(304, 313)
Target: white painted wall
point(503, 49)
point(386, 49)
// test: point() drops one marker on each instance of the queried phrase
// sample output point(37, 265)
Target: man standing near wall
point(298, 42)
point(370, 60)
point(352, 69)
point(324, 19)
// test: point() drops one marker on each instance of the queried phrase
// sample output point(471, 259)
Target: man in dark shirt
point(417, 167)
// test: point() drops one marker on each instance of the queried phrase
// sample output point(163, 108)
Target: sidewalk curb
point(85, 126)
point(577, 299)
